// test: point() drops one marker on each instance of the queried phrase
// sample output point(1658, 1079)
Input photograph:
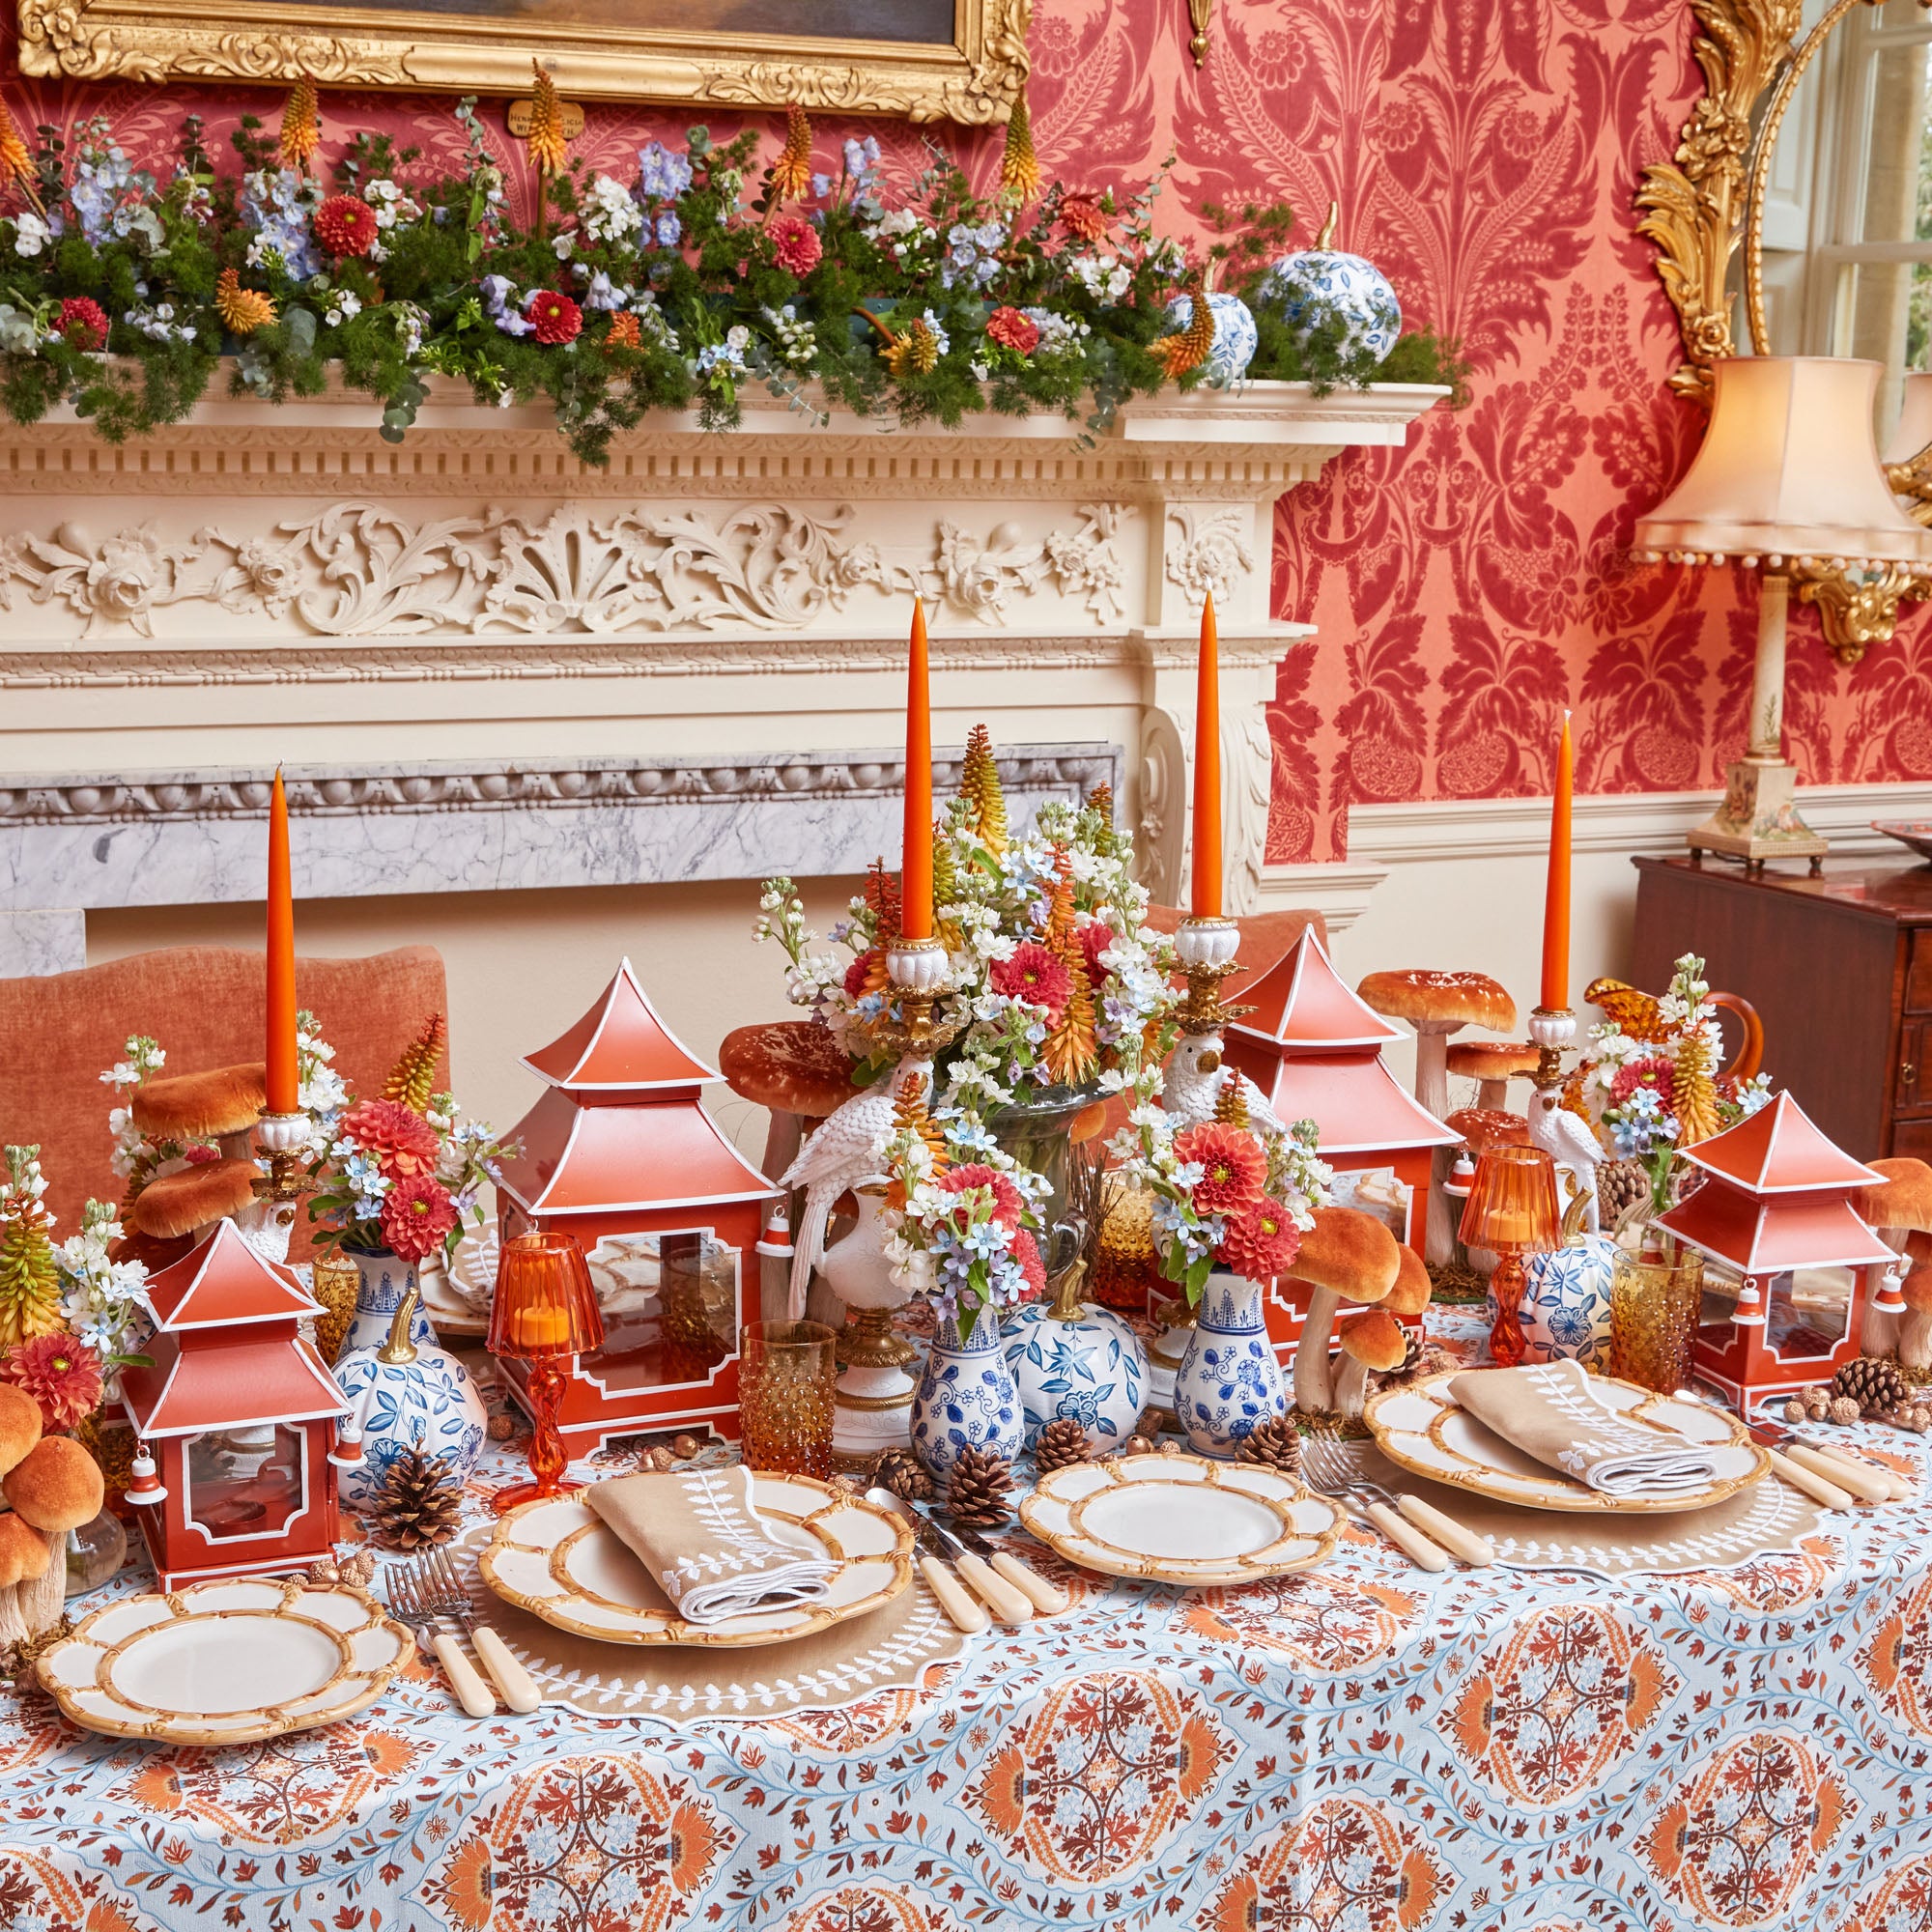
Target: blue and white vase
point(1235, 337)
point(1229, 1383)
point(408, 1394)
point(1076, 1360)
point(1324, 289)
point(383, 1278)
point(1565, 1301)
point(966, 1398)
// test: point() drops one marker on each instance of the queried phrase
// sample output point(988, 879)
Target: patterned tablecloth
point(1360, 1748)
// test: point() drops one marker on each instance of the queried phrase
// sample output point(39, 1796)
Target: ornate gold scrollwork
point(1913, 478)
point(1858, 608)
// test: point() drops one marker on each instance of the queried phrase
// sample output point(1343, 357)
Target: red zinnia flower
point(554, 318)
point(417, 1213)
point(1007, 1203)
point(1011, 329)
point(82, 323)
point(795, 244)
point(1234, 1168)
point(1261, 1243)
point(1649, 1069)
point(1034, 975)
point(344, 224)
point(401, 1142)
point(1095, 939)
point(1026, 1251)
point(61, 1373)
point(1082, 215)
point(200, 1154)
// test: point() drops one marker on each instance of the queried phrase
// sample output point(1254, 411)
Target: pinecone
point(1062, 1443)
point(980, 1490)
point(1875, 1385)
point(900, 1472)
point(1619, 1183)
point(418, 1504)
point(1275, 1445)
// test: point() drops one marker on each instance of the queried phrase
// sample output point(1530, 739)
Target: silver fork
point(409, 1598)
point(1330, 1471)
point(446, 1599)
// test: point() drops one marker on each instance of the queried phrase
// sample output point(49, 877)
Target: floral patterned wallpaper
point(1485, 153)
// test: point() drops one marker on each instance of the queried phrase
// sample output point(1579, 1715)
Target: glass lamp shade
point(1512, 1203)
point(1788, 468)
point(544, 1306)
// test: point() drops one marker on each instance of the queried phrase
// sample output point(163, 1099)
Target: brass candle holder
point(916, 970)
point(1205, 949)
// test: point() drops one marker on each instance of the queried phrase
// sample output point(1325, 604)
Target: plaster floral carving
point(1212, 554)
point(982, 579)
point(117, 581)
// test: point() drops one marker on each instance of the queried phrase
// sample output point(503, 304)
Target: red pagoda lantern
point(1314, 1050)
point(1774, 1210)
point(620, 1154)
point(243, 1414)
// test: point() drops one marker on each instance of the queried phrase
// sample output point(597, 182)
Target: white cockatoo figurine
point(1569, 1142)
point(842, 1151)
point(1194, 1077)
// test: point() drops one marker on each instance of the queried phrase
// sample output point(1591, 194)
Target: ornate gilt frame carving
point(973, 81)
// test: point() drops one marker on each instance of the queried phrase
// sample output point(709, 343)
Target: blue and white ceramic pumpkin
point(424, 1398)
point(1565, 1301)
point(1322, 287)
point(1235, 338)
point(1092, 1369)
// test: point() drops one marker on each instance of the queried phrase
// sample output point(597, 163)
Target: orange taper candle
point(916, 854)
point(282, 1082)
point(1207, 769)
point(1557, 892)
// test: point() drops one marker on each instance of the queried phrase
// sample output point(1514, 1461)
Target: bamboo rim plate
point(226, 1663)
point(1419, 1425)
point(560, 1561)
point(1182, 1519)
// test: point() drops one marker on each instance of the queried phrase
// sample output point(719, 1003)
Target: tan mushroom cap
point(1905, 1200)
point(794, 1067)
point(23, 1551)
point(192, 1106)
point(1352, 1254)
point(1485, 1127)
point(1376, 1340)
point(1493, 1059)
point(58, 1488)
point(19, 1425)
point(1439, 1001)
point(208, 1190)
point(1412, 1287)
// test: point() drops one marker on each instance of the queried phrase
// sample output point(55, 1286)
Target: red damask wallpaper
point(1485, 153)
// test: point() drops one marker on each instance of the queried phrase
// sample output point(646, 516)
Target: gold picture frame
point(696, 51)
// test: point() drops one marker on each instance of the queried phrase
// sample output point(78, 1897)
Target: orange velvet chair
point(203, 1003)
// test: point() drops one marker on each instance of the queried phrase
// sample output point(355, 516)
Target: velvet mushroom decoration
point(794, 1067)
point(1493, 1064)
point(1346, 1256)
point(51, 1484)
point(1900, 1208)
point(1376, 1342)
point(194, 1197)
point(223, 1104)
point(1915, 1325)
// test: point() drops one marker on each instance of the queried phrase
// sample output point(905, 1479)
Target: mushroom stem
point(1915, 1339)
point(1431, 1091)
point(1878, 1336)
point(1313, 1386)
point(1493, 1093)
point(1351, 1386)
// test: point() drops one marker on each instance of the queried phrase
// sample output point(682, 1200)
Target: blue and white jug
point(1230, 1381)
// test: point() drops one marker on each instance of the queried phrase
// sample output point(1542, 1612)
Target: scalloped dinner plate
point(1419, 1425)
point(226, 1663)
point(1182, 1519)
point(560, 1561)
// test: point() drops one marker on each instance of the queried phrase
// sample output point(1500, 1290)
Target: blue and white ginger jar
point(1091, 1369)
point(1565, 1301)
point(1230, 1381)
point(966, 1398)
point(1234, 336)
point(1323, 286)
point(383, 1278)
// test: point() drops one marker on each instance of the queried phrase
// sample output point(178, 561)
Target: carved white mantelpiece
point(262, 585)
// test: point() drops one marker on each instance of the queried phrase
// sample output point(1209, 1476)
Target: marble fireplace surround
point(491, 666)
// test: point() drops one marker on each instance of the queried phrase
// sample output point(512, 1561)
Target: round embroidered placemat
point(889, 1649)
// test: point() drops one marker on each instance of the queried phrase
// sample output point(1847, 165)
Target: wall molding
point(1339, 893)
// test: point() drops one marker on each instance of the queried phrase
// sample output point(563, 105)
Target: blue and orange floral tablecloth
point(1360, 1748)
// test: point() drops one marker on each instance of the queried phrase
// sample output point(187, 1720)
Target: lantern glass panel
point(670, 1308)
point(246, 1482)
point(1808, 1310)
point(1377, 1192)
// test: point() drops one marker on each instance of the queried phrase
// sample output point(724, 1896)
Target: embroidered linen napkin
point(702, 1539)
point(1553, 1414)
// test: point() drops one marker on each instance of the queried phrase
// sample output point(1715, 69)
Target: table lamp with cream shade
point(1787, 483)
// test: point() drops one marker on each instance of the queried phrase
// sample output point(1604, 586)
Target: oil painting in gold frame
point(927, 60)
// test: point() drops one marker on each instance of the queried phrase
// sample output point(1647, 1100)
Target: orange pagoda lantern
point(237, 1416)
point(620, 1154)
point(1314, 1050)
point(1775, 1215)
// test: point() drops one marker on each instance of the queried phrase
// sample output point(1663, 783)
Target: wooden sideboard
point(1839, 968)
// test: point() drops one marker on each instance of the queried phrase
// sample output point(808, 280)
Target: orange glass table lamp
point(544, 1313)
point(1511, 1210)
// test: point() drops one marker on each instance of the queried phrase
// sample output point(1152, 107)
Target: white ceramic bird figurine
point(842, 1150)
point(1194, 1078)
point(1569, 1142)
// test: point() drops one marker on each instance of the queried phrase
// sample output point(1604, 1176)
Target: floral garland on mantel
point(121, 292)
